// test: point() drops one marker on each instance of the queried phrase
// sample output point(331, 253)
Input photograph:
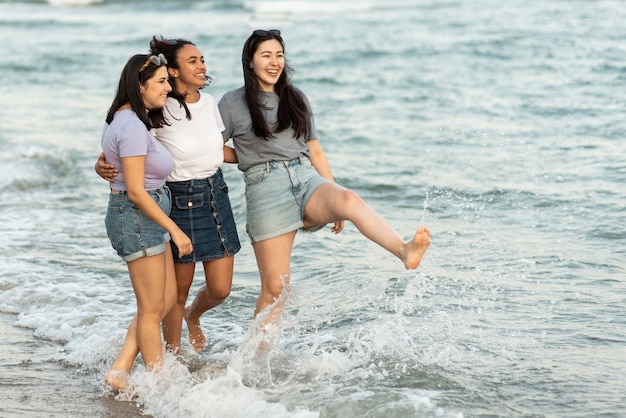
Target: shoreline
point(32, 384)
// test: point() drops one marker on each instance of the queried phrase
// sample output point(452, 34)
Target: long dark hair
point(128, 92)
point(170, 48)
point(293, 111)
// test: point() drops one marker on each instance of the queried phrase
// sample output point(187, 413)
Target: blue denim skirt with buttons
point(132, 234)
point(201, 208)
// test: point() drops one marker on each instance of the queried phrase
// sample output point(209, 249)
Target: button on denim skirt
point(201, 208)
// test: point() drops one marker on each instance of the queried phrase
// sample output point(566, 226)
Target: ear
point(173, 72)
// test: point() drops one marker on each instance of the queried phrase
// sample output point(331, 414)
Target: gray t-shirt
point(251, 149)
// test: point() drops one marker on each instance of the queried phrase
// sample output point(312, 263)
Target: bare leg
point(331, 203)
point(117, 376)
point(218, 276)
point(173, 322)
point(150, 292)
point(273, 258)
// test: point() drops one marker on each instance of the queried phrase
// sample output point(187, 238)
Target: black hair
point(170, 48)
point(128, 92)
point(293, 111)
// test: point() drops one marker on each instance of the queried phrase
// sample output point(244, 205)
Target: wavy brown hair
point(128, 92)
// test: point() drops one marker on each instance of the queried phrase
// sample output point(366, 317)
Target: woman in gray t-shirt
point(289, 184)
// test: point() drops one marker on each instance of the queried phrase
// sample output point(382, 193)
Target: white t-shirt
point(196, 145)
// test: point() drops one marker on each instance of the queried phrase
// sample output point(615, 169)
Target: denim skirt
point(132, 234)
point(201, 208)
point(276, 194)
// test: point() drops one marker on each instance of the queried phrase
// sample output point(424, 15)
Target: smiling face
point(191, 72)
point(268, 63)
point(154, 90)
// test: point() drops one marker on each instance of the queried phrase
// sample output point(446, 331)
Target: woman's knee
point(182, 289)
point(153, 311)
point(181, 295)
point(219, 292)
point(273, 289)
point(350, 200)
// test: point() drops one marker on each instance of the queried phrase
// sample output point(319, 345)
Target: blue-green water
point(499, 125)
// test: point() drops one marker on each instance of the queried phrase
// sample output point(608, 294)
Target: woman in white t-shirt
point(200, 203)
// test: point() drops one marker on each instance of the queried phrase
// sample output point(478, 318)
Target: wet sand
point(32, 384)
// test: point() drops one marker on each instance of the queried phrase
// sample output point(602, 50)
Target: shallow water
point(497, 125)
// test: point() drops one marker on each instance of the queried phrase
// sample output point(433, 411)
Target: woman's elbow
point(134, 195)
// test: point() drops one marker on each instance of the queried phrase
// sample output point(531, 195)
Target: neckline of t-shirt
point(199, 103)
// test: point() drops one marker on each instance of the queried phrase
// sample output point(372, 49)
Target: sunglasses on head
point(261, 32)
point(157, 60)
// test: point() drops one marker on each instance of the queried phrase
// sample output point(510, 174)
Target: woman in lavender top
point(137, 220)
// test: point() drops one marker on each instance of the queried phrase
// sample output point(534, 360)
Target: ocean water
point(499, 124)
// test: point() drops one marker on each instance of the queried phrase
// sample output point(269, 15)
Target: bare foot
point(196, 336)
point(117, 379)
point(415, 249)
point(173, 348)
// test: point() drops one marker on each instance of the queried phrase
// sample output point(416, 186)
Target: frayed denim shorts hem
point(276, 195)
point(132, 234)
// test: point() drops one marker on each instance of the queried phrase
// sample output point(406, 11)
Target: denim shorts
point(201, 208)
point(132, 234)
point(276, 194)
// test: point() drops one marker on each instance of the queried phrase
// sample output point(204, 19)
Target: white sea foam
point(497, 124)
point(74, 2)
